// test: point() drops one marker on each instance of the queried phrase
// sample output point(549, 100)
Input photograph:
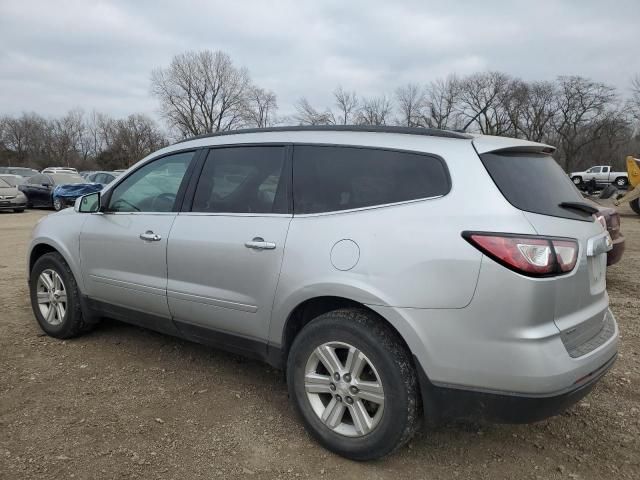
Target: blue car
point(65, 195)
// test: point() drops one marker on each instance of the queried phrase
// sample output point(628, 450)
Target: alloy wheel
point(344, 389)
point(52, 297)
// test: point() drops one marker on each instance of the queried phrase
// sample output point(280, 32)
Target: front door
point(123, 249)
point(224, 255)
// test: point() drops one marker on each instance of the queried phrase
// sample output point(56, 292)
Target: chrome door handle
point(258, 243)
point(149, 236)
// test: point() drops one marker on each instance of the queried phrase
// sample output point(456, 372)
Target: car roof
point(398, 138)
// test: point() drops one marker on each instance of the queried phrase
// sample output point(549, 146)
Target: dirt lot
point(127, 403)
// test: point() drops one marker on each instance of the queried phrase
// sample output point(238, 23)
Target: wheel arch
point(42, 247)
point(310, 308)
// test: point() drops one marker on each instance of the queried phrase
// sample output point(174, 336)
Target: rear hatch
point(534, 183)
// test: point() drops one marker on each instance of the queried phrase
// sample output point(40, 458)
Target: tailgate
point(581, 300)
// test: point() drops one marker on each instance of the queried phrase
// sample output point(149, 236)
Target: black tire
point(57, 204)
point(635, 205)
point(621, 182)
point(577, 180)
point(382, 346)
point(73, 322)
point(18, 210)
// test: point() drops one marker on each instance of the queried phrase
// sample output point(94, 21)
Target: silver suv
point(398, 276)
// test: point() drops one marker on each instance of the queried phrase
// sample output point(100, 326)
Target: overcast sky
point(56, 55)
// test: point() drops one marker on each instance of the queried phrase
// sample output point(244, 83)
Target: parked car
point(86, 173)
point(102, 177)
point(602, 175)
point(13, 180)
point(22, 171)
point(39, 189)
point(393, 273)
point(59, 170)
point(11, 198)
point(65, 195)
point(610, 220)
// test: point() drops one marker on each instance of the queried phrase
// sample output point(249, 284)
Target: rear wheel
point(18, 210)
point(354, 384)
point(622, 181)
point(576, 180)
point(635, 205)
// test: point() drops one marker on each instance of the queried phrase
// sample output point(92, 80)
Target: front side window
point(595, 170)
point(153, 187)
point(243, 180)
point(329, 179)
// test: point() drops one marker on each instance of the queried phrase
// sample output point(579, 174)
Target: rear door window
point(248, 179)
point(534, 183)
point(334, 178)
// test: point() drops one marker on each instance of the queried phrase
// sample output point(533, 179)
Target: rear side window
point(329, 179)
point(243, 180)
point(534, 183)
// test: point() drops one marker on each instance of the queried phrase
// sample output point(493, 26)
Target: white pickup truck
point(602, 174)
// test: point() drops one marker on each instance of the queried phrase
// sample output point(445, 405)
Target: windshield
point(12, 181)
point(63, 178)
point(4, 184)
point(534, 183)
point(24, 172)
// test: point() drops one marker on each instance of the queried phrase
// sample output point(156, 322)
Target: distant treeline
point(202, 92)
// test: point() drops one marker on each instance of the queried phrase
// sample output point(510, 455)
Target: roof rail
point(431, 132)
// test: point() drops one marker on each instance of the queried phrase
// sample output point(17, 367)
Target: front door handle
point(149, 236)
point(258, 243)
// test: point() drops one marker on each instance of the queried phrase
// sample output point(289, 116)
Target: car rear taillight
point(526, 254)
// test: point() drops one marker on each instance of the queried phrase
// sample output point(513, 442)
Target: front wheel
point(57, 204)
point(354, 384)
point(55, 298)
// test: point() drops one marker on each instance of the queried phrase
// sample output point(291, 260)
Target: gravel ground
point(123, 402)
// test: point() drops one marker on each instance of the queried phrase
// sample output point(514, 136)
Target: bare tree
point(441, 99)
point(308, 115)
point(261, 106)
point(584, 107)
point(531, 108)
point(131, 139)
point(347, 104)
point(480, 102)
point(411, 103)
point(201, 92)
point(634, 101)
point(374, 111)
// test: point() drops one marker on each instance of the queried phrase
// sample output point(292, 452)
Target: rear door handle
point(258, 243)
point(149, 236)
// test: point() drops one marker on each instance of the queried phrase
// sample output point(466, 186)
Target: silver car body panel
point(470, 322)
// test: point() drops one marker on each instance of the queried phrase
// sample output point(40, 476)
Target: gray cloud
point(58, 55)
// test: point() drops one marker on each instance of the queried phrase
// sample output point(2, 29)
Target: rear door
point(582, 293)
point(225, 251)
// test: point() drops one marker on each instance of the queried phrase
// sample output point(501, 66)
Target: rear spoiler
point(488, 143)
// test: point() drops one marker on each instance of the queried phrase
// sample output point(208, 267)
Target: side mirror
point(88, 203)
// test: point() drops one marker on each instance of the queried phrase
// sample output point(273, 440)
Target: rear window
point(329, 179)
point(534, 183)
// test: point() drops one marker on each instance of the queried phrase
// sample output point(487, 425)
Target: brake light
point(529, 255)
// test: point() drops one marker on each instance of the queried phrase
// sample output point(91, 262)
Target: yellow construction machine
point(633, 195)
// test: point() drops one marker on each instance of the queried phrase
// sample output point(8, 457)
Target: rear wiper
point(585, 207)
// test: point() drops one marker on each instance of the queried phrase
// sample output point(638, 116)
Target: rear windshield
point(534, 183)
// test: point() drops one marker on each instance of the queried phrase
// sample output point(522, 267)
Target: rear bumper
point(441, 403)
